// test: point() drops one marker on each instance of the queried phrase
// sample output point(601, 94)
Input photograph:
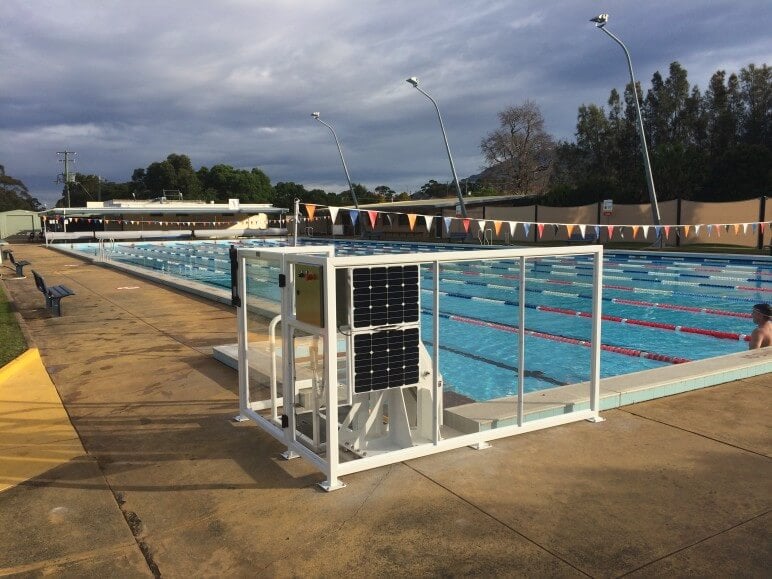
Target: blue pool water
point(658, 309)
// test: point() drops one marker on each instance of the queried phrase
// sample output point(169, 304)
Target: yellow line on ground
point(36, 434)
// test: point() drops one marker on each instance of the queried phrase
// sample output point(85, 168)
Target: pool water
point(658, 309)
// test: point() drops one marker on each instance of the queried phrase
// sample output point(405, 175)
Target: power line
point(66, 174)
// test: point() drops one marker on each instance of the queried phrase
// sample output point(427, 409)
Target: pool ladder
point(486, 236)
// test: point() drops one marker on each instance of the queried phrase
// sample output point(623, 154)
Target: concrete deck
point(168, 485)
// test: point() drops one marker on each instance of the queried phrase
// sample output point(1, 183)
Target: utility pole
point(66, 174)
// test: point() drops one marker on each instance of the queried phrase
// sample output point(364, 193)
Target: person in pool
point(762, 334)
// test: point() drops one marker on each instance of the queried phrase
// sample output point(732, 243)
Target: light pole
point(414, 81)
point(342, 160)
point(600, 22)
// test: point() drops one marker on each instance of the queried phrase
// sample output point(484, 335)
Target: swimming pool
point(658, 309)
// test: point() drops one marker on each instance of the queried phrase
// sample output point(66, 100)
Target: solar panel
point(385, 359)
point(384, 296)
point(385, 356)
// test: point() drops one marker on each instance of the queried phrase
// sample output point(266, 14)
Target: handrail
point(272, 345)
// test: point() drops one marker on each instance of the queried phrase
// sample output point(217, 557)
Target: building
point(162, 218)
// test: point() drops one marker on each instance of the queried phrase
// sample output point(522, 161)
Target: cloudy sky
point(125, 83)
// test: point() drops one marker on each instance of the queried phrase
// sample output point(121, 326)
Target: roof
point(170, 209)
point(441, 203)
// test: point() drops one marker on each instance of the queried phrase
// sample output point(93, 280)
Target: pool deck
point(146, 474)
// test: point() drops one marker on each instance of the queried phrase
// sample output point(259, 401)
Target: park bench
point(53, 294)
point(18, 264)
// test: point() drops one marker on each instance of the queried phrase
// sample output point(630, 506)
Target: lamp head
point(600, 20)
point(413, 80)
point(315, 115)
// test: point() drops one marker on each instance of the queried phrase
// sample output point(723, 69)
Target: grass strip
point(12, 342)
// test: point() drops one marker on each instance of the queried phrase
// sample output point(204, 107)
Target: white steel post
point(597, 296)
point(243, 340)
point(436, 394)
point(521, 347)
point(295, 224)
point(288, 357)
point(331, 378)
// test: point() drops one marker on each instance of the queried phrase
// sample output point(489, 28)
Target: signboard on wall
point(608, 206)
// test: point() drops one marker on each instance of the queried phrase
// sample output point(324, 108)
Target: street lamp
point(414, 81)
point(345, 169)
point(600, 22)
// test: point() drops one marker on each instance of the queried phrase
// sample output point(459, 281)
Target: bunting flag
point(635, 230)
point(745, 229)
point(373, 215)
point(481, 224)
point(540, 228)
point(718, 230)
point(686, 230)
point(428, 220)
point(737, 229)
point(762, 226)
point(354, 215)
point(465, 223)
point(333, 213)
point(411, 217)
point(497, 226)
point(526, 229)
point(709, 229)
point(582, 229)
point(512, 226)
point(610, 231)
point(697, 230)
point(310, 209)
point(645, 229)
point(570, 229)
point(447, 221)
point(666, 229)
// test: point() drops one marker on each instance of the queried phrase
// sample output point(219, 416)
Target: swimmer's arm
point(755, 341)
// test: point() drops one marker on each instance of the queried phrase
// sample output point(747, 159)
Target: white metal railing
point(415, 413)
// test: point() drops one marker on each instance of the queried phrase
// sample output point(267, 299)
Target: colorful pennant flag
point(411, 217)
point(310, 209)
point(333, 213)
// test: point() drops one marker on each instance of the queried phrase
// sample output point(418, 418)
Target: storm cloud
point(126, 83)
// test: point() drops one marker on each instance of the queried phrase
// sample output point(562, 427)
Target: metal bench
point(458, 236)
point(53, 294)
point(18, 264)
point(589, 237)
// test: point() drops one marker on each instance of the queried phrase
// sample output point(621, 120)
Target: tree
point(520, 149)
point(756, 95)
point(387, 193)
point(223, 182)
point(14, 194)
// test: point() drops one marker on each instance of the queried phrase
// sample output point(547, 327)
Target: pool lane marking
point(720, 334)
point(632, 352)
point(638, 303)
point(538, 374)
point(630, 278)
point(669, 292)
point(571, 270)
